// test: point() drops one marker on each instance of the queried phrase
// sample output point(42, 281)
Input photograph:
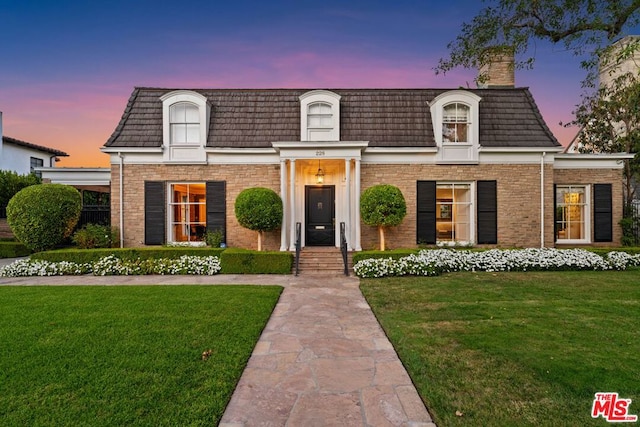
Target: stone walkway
point(322, 360)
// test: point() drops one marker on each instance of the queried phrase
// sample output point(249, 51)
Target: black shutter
point(487, 212)
point(217, 207)
point(154, 212)
point(556, 218)
point(426, 212)
point(602, 213)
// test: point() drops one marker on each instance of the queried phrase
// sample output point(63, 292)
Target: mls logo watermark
point(612, 408)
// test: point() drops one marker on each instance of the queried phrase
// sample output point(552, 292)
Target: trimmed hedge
point(126, 254)
point(13, 249)
point(244, 261)
point(394, 254)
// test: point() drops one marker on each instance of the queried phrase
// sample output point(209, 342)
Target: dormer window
point(185, 126)
point(320, 116)
point(455, 123)
point(185, 123)
point(455, 116)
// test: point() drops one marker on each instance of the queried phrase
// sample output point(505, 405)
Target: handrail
point(343, 248)
point(298, 245)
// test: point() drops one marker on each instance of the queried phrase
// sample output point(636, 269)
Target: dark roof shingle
point(7, 139)
point(254, 118)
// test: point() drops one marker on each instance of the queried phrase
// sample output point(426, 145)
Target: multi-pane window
point(184, 120)
point(320, 116)
point(572, 207)
point(455, 123)
point(453, 212)
point(188, 212)
point(36, 163)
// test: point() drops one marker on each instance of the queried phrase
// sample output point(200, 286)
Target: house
point(24, 157)
point(476, 166)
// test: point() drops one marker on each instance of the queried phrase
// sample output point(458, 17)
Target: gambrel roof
point(254, 118)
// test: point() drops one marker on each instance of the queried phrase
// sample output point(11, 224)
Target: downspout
point(542, 199)
point(52, 161)
point(121, 200)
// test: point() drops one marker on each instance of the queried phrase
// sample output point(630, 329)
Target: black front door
point(320, 215)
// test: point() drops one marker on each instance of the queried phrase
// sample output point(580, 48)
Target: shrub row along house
point(476, 166)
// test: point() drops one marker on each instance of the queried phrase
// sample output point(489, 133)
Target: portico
point(306, 195)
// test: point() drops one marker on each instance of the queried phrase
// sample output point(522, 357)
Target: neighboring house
point(24, 157)
point(476, 166)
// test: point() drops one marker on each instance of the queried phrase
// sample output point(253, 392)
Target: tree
point(382, 206)
point(11, 183)
point(610, 123)
point(581, 26)
point(41, 216)
point(259, 209)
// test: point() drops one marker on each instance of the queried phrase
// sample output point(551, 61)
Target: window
point(184, 123)
point(188, 212)
point(185, 126)
point(455, 123)
point(453, 213)
point(455, 117)
point(319, 116)
point(188, 206)
point(36, 163)
point(572, 213)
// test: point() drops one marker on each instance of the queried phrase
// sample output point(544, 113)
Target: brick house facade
point(476, 167)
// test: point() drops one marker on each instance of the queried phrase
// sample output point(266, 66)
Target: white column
point(292, 204)
point(283, 196)
point(357, 245)
point(349, 219)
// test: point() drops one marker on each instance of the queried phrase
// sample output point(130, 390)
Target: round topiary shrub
point(382, 206)
point(41, 216)
point(259, 209)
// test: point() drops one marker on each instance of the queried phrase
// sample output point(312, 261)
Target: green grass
point(125, 355)
point(515, 348)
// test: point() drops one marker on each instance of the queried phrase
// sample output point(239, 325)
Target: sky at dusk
point(67, 68)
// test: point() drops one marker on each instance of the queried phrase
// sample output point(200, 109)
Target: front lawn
point(505, 349)
point(125, 355)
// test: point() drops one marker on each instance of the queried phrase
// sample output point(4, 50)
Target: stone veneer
point(518, 197)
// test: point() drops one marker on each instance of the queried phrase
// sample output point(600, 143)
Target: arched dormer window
point(184, 119)
point(455, 116)
point(185, 124)
point(320, 116)
point(455, 122)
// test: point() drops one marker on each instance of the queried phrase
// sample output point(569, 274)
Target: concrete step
point(323, 261)
point(5, 231)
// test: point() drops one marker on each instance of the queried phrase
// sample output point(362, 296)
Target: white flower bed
point(112, 265)
point(434, 262)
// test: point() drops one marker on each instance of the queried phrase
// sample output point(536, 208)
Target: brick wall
point(518, 197)
point(518, 194)
point(237, 177)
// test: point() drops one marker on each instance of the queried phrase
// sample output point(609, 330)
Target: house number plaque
point(319, 153)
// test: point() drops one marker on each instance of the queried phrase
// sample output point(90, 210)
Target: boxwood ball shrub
point(259, 209)
point(41, 216)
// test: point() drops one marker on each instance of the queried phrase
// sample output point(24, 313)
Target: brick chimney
point(498, 72)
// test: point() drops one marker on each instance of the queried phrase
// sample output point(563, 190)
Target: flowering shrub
point(434, 262)
point(27, 267)
point(112, 265)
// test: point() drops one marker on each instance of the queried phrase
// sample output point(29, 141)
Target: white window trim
point(472, 212)
point(169, 220)
point(587, 215)
point(184, 152)
point(320, 96)
point(446, 150)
